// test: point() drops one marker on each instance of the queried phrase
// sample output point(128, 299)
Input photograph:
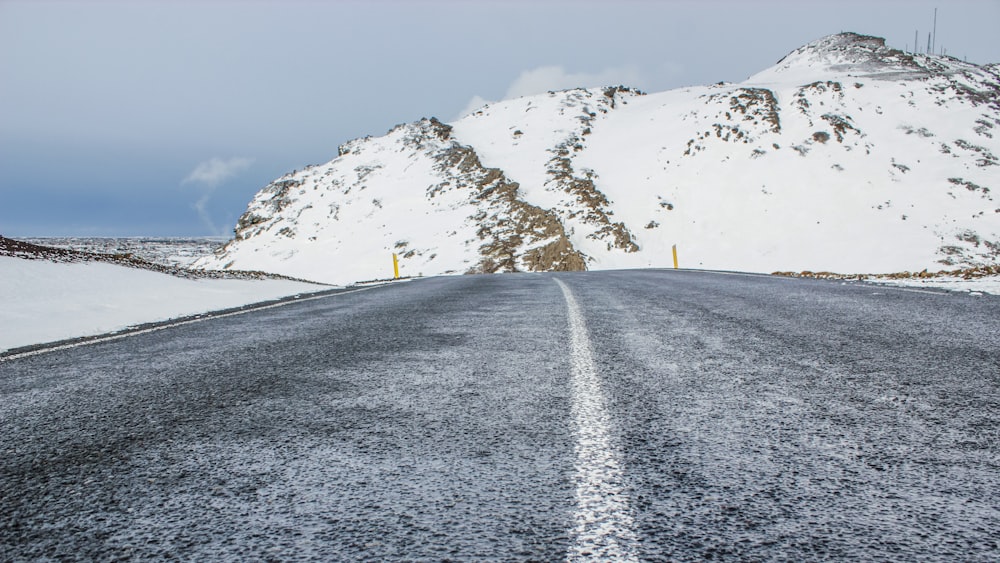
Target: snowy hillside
point(845, 156)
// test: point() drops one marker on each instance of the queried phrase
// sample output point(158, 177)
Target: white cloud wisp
point(209, 175)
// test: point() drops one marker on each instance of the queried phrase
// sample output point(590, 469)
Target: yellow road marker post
point(675, 256)
point(395, 266)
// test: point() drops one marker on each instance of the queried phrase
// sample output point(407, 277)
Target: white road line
point(207, 317)
point(604, 527)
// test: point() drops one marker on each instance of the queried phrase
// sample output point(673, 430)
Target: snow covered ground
point(43, 301)
point(989, 284)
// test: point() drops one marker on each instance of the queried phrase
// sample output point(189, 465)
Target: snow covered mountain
point(846, 156)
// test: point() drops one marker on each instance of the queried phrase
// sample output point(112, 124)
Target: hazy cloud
point(545, 78)
point(214, 171)
point(475, 103)
point(552, 78)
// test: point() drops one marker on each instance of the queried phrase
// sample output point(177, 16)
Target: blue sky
point(164, 118)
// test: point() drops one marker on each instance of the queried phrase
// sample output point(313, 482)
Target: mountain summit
point(850, 54)
point(846, 155)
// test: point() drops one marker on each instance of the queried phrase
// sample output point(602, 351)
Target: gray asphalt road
point(644, 415)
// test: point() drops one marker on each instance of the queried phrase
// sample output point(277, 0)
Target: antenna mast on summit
point(934, 41)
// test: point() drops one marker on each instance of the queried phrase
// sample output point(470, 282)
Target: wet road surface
point(640, 415)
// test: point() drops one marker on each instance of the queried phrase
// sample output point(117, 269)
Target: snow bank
point(990, 284)
point(42, 301)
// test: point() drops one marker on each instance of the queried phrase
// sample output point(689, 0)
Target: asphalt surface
point(642, 415)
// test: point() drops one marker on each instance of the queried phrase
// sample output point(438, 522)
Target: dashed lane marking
point(603, 523)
